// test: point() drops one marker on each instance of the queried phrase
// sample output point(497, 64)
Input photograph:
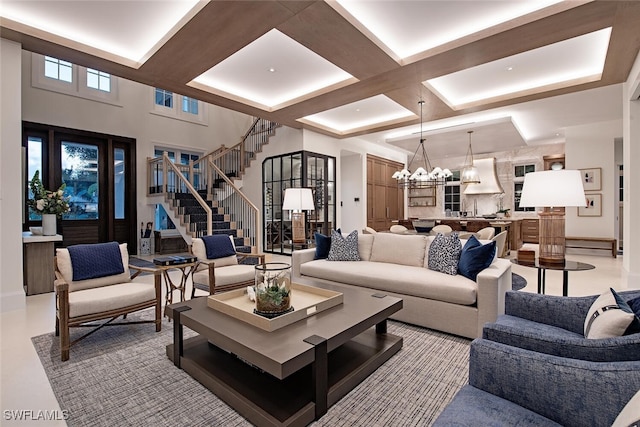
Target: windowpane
point(98, 80)
point(119, 183)
point(189, 105)
point(164, 98)
point(34, 163)
point(58, 69)
point(80, 174)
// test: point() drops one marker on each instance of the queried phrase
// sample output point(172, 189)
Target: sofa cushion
point(608, 316)
point(398, 249)
point(365, 245)
point(105, 298)
point(344, 248)
point(444, 253)
point(63, 260)
point(475, 257)
point(90, 261)
point(228, 275)
point(199, 249)
point(399, 279)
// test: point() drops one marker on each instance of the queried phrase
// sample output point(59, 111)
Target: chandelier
point(469, 173)
point(425, 176)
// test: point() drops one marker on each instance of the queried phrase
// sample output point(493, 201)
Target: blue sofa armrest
point(563, 312)
point(543, 338)
point(570, 392)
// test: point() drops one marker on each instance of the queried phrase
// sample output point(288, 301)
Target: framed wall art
point(594, 206)
point(592, 179)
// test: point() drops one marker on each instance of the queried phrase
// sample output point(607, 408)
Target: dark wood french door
point(100, 175)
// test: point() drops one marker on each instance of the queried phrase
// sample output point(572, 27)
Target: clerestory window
point(58, 69)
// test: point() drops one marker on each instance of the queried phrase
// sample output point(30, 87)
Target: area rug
point(517, 282)
point(121, 376)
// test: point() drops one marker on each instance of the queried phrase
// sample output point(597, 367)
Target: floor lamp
point(298, 200)
point(552, 189)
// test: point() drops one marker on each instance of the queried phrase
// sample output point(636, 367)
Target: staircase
point(205, 197)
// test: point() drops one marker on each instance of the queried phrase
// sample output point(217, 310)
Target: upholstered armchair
point(218, 268)
point(501, 243)
point(486, 233)
point(92, 283)
point(555, 325)
point(511, 386)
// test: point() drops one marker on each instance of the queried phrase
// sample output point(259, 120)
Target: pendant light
point(425, 176)
point(469, 172)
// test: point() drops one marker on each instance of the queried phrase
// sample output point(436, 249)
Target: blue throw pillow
point(632, 306)
point(444, 253)
point(475, 257)
point(323, 245)
point(91, 261)
point(344, 248)
point(218, 246)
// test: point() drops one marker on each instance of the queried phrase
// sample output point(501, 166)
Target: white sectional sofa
point(397, 265)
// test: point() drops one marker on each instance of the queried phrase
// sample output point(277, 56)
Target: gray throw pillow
point(344, 248)
point(444, 253)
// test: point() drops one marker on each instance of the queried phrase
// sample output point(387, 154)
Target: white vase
point(48, 225)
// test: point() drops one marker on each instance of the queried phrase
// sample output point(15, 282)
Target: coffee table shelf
point(292, 375)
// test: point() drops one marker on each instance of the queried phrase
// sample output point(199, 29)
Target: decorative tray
point(306, 301)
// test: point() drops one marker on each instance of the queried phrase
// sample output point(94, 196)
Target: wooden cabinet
point(384, 199)
point(38, 267)
point(530, 230)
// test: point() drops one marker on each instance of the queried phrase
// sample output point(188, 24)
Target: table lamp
point(552, 189)
point(298, 200)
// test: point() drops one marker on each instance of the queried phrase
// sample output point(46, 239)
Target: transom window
point(58, 69)
point(164, 98)
point(190, 105)
point(98, 80)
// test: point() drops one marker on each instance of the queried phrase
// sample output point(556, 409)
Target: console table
point(37, 265)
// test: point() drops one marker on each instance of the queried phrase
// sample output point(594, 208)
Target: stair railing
point(177, 183)
point(245, 214)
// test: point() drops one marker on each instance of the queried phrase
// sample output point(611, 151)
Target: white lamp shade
point(560, 188)
point(298, 199)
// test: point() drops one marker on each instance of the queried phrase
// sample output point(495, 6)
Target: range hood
point(489, 183)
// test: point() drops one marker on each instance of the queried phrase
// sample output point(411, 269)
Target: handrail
point(240, 209)
point(178, 173)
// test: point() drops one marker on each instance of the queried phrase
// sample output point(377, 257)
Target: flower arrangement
point(46, 201)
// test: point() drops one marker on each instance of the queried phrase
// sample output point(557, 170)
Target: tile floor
point(24, 384)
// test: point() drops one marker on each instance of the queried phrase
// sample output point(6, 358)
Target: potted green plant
point(273, 289)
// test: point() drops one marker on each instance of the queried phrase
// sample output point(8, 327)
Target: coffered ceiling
point(509, 70)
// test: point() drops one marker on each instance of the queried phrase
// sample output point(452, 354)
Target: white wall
point(12, 295)
point(354, 213)
point(593, 146)
point(631, 154)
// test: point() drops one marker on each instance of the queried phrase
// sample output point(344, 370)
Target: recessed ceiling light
point(509, 68)
point(272, 70)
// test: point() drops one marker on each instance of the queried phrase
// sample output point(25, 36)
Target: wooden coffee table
point(289, 376)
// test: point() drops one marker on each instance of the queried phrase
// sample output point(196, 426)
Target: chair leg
point(64, 342)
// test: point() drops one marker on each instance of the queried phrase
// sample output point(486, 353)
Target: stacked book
point(175, 260)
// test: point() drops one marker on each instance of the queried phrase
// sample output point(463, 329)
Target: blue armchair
point(554, 325)
point(511, 386)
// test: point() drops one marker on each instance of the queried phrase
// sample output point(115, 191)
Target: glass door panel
point(80, 174)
